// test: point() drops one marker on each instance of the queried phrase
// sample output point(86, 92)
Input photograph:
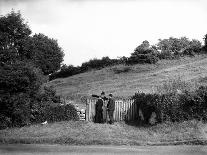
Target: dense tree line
point(170, 48)
point(25, 62)
point(70, 70)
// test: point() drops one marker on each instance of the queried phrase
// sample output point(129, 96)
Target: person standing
point(105, 99)
point(99, 109)
point(111, 108)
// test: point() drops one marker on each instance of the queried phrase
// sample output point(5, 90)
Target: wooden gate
point(124, 110)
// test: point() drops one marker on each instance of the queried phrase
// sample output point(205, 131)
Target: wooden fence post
point(87, 110)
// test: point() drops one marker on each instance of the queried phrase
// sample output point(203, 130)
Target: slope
point(124, 81)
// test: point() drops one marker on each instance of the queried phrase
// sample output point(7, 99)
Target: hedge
point(62, 113)
point(174, 107)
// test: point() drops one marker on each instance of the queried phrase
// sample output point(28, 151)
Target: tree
point(17, 44)
point(177, 46)
point(13, 32)
point(44, 52)
point(144, 53)
point(23, 58)
point(141, 49)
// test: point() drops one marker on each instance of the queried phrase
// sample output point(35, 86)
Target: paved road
point(28, 149)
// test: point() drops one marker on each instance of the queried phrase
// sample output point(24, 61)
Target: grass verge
point(88, 133)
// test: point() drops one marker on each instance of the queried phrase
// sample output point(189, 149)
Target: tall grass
point(175, 86)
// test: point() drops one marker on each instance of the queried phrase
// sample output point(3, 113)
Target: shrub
point(174, 107)
point(175, 100)
point(148, 103)
point(47, 106)
point(175, 47)
point(20, 82)
point(98, 63)
point(193, 48)
point(62, 113)
point(144, 53)
point(166, 55)
point(121, 69)
point(4, 121)
point(91, 64)
point(142, 58)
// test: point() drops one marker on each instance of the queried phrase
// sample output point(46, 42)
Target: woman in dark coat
point(99, 111)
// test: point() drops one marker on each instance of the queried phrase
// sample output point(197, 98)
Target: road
point(36, 149)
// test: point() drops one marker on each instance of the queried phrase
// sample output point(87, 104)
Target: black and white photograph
point(103, 77)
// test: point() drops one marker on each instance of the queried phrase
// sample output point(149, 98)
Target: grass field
point(124, 81)
point(88, 133)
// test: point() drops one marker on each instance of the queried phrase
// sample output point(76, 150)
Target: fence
point(124, 110)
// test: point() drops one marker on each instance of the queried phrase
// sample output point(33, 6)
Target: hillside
point(124, 81)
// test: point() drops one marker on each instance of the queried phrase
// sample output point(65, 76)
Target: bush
point(148, 103)
point(65, 72)
point(166, 55)
point(62, 113)
point(175, 47)
point(98, 63)
point(4, 121)
point(20, 82)
point(142, 58)
point(173, 105)
point(47, 106)
point(121, 69)
point(144, 53)
point(70, 70)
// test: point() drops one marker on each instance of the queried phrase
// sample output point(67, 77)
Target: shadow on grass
point(139, 123)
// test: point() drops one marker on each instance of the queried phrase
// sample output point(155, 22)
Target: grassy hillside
point(124, 81)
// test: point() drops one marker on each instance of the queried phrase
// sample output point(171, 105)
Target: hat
point(102, 93)
point(110, 95)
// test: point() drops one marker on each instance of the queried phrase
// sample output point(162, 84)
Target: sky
point(87, 29)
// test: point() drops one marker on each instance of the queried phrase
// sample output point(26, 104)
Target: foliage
point(4, 121)
point(65, 71)
point(205, 43)
point(17, 44)
point(174, 106)
point(13, 32)
point(121, 69)
point(62, 113)
point(98, 63)
point(91, 64)
point(142, 58)
point(143, 54)
point(174, 47)
point(44, 52)
point(23, 60)
point(20, 82)
point(41, 104)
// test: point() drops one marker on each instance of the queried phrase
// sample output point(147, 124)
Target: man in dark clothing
point(111, 108)
point(99, 109)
